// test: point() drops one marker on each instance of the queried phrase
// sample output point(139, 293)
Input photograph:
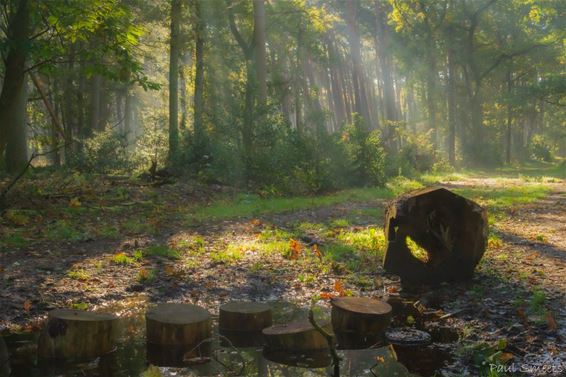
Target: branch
point(14, 180)
point(330, 340)
point(247, 48)
point(505, 56)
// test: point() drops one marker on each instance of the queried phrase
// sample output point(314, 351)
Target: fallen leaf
point(505, 357)
point(27, 306)
point(550, 321)
point(339, 287)
point(326, 295)
point(316, 251)
point(296, 248)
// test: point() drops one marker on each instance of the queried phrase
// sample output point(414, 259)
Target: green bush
point(540, 149)
point(365, 155)
point(103, 152)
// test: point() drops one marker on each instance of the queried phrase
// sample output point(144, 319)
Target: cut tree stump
point(415, 350)
point(295, 337)
point(359, 322)
point(451, 229)
point(242, 322)
point(77, 335)
point(181, 329)
point(4, 359)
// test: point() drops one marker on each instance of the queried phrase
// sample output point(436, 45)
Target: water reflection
point(131, 357)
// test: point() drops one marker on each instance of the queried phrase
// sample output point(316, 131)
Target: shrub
point(103, 152)
point(365, 155)
point(540, 149)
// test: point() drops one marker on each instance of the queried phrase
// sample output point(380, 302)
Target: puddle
point(132, 356)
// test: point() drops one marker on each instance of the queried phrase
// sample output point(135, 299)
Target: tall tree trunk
point(451, 101)
point(174, 47)
point(259, 50)
point(508, 131)
point(95, 104)
point(382, 45)
point(357, 75)
point(11, 120)
point(17, 148)
point(336, 84)
point(198, 97)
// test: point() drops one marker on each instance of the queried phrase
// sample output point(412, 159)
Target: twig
point(330, 340)
point(448, 315)
point(33, 156)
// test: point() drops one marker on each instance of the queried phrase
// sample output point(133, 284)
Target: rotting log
point(359, 322)
point(178, 331)
point(4, 359)
point(241, 322)
point(451, 229)
point(76, 335)
point(295, 337)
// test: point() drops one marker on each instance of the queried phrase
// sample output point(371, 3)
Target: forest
point(264, 156)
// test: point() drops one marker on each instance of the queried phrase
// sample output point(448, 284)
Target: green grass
point(13, 240)
point(231, 254)
point(251, 205)
point(505, 197)
point(79, 274)
point(162, 251)
point(247, 206)
point(123, 259)
point(63, 230)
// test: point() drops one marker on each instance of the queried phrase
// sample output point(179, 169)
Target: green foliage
point(123, 259)
point(162, 251)
point(104, 152)
point(540, 149)
point(365, 155)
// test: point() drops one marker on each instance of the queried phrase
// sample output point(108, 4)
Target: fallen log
point(77, 335)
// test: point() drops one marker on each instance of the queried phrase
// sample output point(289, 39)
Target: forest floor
point(70, 241)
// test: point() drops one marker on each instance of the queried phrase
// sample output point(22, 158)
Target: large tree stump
point(450, 228)
point(242, 322)
point(4, 359)
point(359, 322)
point(77, 335)
point(177, 332)
point(295, 337)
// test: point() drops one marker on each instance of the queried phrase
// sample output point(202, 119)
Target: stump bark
point(359, 322)
point(77, 335)
point(242, 322)
point(4, 359)
point(179, 331)
point(295, 337)
point(450, 228)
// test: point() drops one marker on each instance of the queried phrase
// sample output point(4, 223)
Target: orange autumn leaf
point(392, 290)
point(316, 251)
point(339, 287)
point(326, 295)
point(27, 306)
point(255, 222)
point(296, 248)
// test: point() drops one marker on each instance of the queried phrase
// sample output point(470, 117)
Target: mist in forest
point(282, 96)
